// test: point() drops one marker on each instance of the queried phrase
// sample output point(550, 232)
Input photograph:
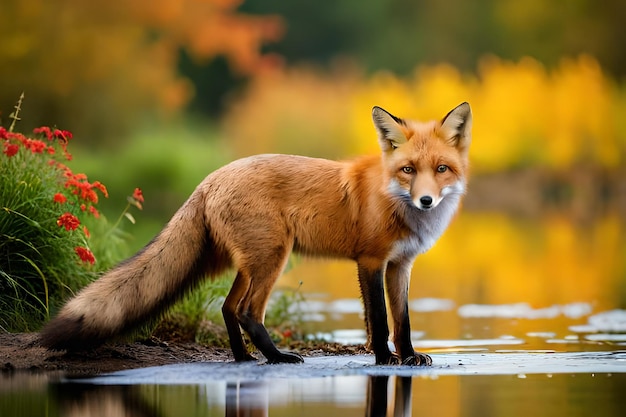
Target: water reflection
point(75, 400)
point(384, 395)
point(445, 396)
point(249, 398)
point(252, 398)
point(378, 397)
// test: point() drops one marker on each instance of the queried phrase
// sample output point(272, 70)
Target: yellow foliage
point(297, 111)
point(524, 114)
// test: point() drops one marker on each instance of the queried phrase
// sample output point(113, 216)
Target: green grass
point(166, 163)
point(198, 316)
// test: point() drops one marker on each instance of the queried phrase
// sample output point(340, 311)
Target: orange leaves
point(107, 64)
point(210, 27)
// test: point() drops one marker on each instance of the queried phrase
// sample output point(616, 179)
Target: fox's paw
point(418, 359)
point(246, 358)
point(285, 357)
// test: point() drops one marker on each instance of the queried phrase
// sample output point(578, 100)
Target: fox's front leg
point(397, 280)
point(373, 294)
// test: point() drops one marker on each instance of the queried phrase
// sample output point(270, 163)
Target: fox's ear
point(391, 129)
point(456, 126)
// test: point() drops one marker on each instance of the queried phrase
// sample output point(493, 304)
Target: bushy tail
point(140, 287)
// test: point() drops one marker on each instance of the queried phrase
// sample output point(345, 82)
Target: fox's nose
point(426, 201)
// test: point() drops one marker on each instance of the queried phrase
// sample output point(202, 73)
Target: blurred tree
point(397, 35)
point(101, 66)
point(214, 81)
point(549, 30)
point(318, 32)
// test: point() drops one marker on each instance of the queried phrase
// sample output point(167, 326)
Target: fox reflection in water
point(249, 398)
point(80, 400)
point(377, 401)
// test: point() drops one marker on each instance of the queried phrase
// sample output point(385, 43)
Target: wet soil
point(22, 352)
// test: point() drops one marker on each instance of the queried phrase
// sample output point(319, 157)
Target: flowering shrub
point(46, 212)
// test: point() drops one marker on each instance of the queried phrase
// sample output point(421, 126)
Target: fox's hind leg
point(252, 314)
point(245, 305)
point(240, 288)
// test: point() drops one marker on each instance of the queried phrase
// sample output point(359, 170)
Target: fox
point(380, 211)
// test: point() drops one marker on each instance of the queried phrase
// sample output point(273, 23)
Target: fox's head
point(425, 162)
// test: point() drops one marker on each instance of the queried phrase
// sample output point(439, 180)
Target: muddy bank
point(21, 352)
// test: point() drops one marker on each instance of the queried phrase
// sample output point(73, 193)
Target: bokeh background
point(159, 93)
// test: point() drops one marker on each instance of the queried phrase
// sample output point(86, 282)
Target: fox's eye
point(408, 170)
point(442, 168)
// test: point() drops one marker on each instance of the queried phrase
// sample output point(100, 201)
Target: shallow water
point(513, 360)
point(584, 374)
point(468, 384)
point(440, 325)
point(522, 317)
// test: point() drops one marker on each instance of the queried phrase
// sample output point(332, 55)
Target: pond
point(521, 316)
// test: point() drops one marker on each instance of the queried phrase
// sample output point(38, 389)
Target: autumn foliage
point(101, 65)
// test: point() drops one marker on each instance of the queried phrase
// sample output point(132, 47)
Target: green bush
point(54, 241)
point(46, 215)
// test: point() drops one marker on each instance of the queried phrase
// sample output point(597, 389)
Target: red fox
point(380, 211)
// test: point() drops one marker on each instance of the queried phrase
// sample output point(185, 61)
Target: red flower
point(59, 198)
point(69, 221)
point(94, 211)
point(80, 187)
point(136, 199)
point(36, 146)
point(85, 254)
point(4, 134)
point(101, 187)
point(10, 149)
point(43, 130)
point(86, 231)
point(138, 195)
point(64, 135)
point(61, 166)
